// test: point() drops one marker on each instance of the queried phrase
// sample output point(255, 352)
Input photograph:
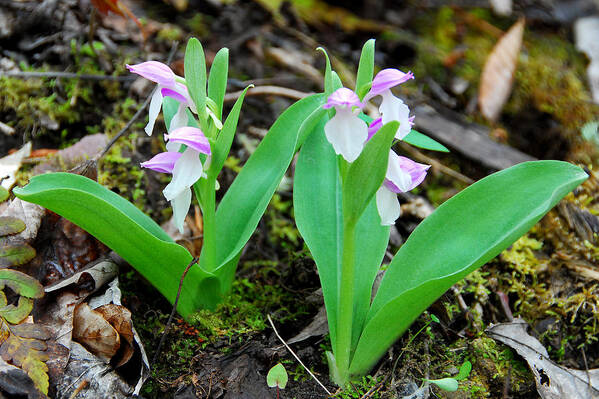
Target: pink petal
point(374, 127)
point(163, 162)
point(343, 97)
point(173, 94)
point(416, 170)
point(191, 137)
point(155, 71)
point(386, 79)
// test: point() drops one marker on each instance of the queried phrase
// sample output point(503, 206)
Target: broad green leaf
point(3, 194)
point(337, 84)
point(244, 203)
point(277, 377)
point(446, 384)
point(366, 174)
point(222, 146)
point(195, 77)
point(317, 207)
point(365, 68)
point(10, 225)
point(420, 140)
point(217, 81)
point(21, 283)
point(123, 228)
point(461, 235)
point(309, 124)
point(328, 74)
point(464, 372)
point(14, 254)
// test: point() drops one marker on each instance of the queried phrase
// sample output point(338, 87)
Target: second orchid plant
point(345, 197)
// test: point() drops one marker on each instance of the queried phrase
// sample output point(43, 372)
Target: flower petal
point(388, 206)
point(386, 79)
point(343, 97)
point(155, 71)
point(393, 109)
point(188, 169)
point(416, 170)
point(191, 137)
point(374, 127)
point(155, 105)
point(163, 162)
point(397, 179)
point(347, 133)
point(166, 92)
point(180, 118)
point(180, 206)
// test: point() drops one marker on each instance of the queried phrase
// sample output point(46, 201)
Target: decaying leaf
point(119, 317)
point(10, 225)
point(553, 381)
point(95, 333)
point(117, 7)
point(586, 31)
point(3, 194)
point(10, 164)
point(27, 287)
point(14, 254)
point(498, 72)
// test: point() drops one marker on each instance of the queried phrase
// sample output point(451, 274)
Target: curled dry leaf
point(119, 318)
point(553, 381)
point(95, 333)
point(498, 72)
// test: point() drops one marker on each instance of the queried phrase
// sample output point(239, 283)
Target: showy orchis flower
point(392, 108)
point(186, 168)
point(403, 175)
point(345, 131)
point(169, 85)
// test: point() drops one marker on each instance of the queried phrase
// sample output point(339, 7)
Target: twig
point(65, 75)
point(8, 130)
point(80, 388)
point(296, 357)
point(170, 317)
point(265, 90)
point(140, 110)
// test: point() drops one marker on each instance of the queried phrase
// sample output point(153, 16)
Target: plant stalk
point(204, 190)
point(346, 303)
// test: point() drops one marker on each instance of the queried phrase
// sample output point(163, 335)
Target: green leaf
point(14, 254)
point(461, 235)
point(124, 228)
point(217, 81)
point(317, 207)
point(21, 283)
point(328, 74)
point(16, 314)
point(244, 203)
point(4, 194)
point(446, 384)
point(224, 140)
point(365, 68)
point(195, 77)
point(277, 377)
point(366, 174)
point(464, 372)
point(10, 225)
point(420, 140)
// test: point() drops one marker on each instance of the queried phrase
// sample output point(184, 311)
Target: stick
point(265, 90)
point(170, 317)
point(65, 75)
point(297, 358)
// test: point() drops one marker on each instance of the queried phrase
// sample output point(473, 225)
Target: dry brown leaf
point(95, 333)
point(119, 318)
point(498, 72)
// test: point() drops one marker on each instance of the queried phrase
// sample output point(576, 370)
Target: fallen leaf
point(498, 73)
point(92, 331)
point(553, 381)
point(14, 254)
point(10, 225)
point(10, 164)
point(119, 317)
point(586, 31)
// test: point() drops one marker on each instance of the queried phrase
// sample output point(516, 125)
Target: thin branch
point(296, 357)
point(436, 164)
point(266, 90)
point(65, 75)
point(170, 317)
point(141, 109)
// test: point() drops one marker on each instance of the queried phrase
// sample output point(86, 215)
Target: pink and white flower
point(186, 168)
point(168, 85)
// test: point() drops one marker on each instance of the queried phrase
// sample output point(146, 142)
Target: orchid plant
point(197, 145)
point(345, 198)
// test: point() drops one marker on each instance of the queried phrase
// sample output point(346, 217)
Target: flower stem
point(204, 190)
point(346, 303)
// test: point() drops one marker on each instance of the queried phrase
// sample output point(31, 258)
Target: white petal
point(155, 105)
point(180, 206)
point(393, 109)
point(398, 176)
point(172, 146)
point(179, 119)
point(387, 205)
point(347, 133)
point(188, 169)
